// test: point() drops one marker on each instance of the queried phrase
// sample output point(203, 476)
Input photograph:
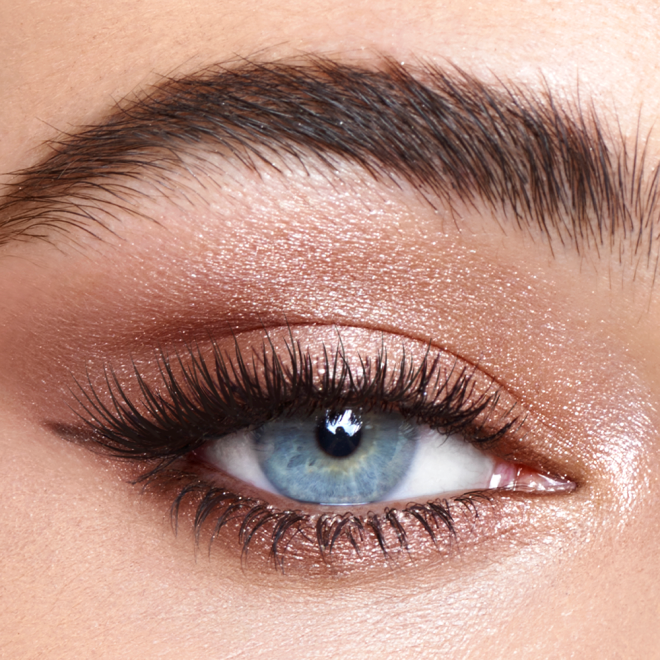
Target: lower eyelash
point(291, 532)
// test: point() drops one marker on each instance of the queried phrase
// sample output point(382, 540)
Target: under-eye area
point(290, 451)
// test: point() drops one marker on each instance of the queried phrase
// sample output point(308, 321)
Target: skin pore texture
point(321, 250)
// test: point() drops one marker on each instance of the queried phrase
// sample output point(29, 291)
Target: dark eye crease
point(547, 165)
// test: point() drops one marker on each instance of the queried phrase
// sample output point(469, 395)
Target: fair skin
point(90, 566)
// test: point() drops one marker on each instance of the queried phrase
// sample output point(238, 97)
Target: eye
point(303, 446)
point(351, 458)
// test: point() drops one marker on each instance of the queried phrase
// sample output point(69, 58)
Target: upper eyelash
point(211, 397)
point(208, 401)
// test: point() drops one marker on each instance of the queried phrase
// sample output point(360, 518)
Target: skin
point(90, 565)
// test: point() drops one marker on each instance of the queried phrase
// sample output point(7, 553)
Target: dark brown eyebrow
point(548, 167)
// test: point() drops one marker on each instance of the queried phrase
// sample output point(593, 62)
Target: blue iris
point(338, 458)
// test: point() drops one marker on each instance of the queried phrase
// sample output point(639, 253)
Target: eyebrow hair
point(546, 166)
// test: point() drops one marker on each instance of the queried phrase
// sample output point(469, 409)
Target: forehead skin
point(65, 63)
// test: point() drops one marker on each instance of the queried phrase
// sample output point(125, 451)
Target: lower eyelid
point(315, 541)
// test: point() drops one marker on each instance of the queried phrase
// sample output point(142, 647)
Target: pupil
point(339, 435)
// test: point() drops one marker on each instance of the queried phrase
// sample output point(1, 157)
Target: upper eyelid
point(372, 376)
point(454, 137)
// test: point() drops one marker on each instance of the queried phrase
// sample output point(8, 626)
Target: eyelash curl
point(203, 395)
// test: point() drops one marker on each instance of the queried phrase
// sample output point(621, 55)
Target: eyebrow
point(546, 166)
